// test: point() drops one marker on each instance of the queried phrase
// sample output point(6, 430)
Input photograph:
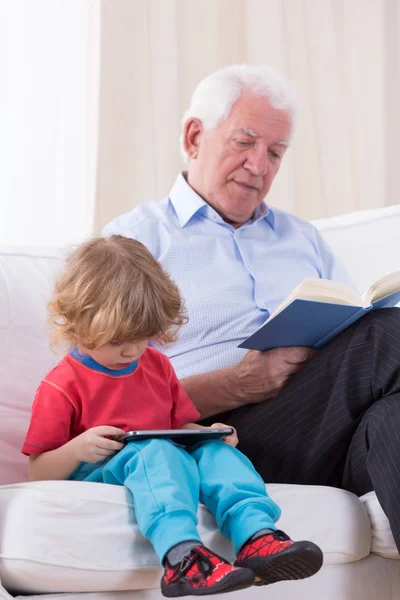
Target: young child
point(112, 298)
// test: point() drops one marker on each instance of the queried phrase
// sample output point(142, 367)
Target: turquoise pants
point(167, 482)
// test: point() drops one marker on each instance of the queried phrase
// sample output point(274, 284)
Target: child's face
point(117, 355)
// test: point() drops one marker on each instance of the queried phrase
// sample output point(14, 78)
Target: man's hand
point(232, 439)
point(262, 375)
point(94, 444)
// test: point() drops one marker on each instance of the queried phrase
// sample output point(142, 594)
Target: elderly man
point(326, 418)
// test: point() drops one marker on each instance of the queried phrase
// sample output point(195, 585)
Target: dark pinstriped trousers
point(337, 422)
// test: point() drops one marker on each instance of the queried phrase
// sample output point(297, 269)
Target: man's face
point(233, 166)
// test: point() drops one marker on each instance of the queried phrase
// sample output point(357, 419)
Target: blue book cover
point(310, 323)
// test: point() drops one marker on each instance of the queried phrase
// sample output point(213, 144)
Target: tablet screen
point(186, 437)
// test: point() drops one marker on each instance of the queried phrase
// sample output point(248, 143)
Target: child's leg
point(164, 483)
point(234, 492)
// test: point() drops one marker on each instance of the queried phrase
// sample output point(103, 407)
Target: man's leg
point(304, 434)
point(373, 460)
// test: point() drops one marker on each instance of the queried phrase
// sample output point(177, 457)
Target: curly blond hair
point(113, 289)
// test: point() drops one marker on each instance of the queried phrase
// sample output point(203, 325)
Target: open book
point(318, 309)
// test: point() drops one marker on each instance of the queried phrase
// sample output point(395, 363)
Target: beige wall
point(341, 54)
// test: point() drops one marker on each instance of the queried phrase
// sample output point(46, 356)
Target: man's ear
point(192, 131)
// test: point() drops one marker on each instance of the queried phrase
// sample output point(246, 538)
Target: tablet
point(185, 437)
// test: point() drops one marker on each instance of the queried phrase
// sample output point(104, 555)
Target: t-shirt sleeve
point(183, 409)
point(50, 425)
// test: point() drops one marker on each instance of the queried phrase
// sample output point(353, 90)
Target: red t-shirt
point(74, 397)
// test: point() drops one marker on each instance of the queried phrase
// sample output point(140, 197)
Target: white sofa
point(79, 537)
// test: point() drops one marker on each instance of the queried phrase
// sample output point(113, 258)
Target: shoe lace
point(196, 556)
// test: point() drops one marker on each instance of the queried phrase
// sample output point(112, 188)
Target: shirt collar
point(264, 212)
point(89, 362)
point(187, 202)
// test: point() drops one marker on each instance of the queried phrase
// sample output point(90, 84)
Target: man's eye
point(275, 154)
point(115, 343)
point(244, 144)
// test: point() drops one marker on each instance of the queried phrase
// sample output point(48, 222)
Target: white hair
point(215, 95)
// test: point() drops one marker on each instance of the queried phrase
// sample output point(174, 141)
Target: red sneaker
point(275, 557)
point(203, 572)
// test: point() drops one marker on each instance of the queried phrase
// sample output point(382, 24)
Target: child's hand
point(94, 444)
point(233, 439)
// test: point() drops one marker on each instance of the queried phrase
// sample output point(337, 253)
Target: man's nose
point(257, 161)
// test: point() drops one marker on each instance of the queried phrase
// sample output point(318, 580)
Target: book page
point(321, 290)
point(381, 288)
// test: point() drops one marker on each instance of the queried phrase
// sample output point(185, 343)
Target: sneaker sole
point(237, 580)
point(300, 561)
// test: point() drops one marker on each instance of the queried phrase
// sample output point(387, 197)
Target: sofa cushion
point(382, 540)
point(26, 279)
point(63, 536)
point(367, 242)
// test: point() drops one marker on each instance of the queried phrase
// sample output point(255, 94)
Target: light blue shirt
point(231, 279)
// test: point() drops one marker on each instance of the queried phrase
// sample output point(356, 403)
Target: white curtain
point(46, 165)
point(92, 93)
point(341, 54)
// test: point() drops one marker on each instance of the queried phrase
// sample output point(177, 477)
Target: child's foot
point(203, 572)
point(275, 557)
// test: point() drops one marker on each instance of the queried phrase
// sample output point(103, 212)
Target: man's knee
point(386, 410)
point(381, 420)
point(382, 316)
point(380, 323)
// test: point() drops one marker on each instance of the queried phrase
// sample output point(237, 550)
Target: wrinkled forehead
point(254, 116)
